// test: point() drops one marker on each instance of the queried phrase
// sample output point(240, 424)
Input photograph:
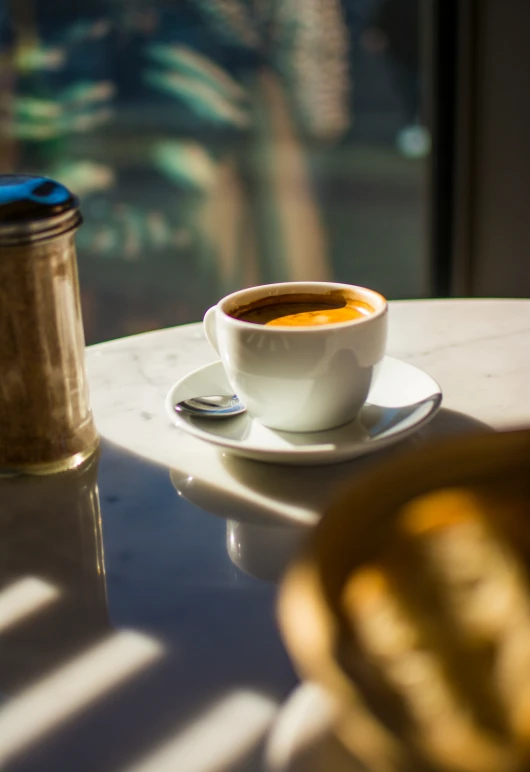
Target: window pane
point(217, 144)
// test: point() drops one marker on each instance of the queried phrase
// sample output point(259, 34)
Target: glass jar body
point(46, 424)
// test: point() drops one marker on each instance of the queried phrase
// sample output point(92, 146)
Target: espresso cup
point(303, 378)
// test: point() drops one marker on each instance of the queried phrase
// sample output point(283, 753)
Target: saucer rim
point(300, 454)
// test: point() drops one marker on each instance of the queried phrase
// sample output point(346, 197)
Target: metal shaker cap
point(34, 208)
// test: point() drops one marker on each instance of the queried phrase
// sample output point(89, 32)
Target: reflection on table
point(59, 653)
point(51, 571)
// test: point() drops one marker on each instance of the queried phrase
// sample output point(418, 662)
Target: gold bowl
point(395, 710)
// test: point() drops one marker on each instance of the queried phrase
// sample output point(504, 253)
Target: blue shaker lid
point(27, 201)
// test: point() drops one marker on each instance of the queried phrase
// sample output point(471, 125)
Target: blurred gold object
point(411, 605)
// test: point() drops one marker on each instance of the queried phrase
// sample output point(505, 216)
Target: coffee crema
point(302, 310)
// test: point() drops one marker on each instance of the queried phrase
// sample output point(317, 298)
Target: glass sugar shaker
point(46, 424)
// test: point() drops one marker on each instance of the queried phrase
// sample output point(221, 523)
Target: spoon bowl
point(211, 406)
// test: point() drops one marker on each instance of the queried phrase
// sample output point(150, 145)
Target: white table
point(202, 681)
point(477, 350)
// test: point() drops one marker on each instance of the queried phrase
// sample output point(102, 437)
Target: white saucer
point(402, 399)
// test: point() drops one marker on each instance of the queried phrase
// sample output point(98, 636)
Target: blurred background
point(216, 144)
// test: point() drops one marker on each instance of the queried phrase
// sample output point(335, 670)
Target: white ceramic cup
point(299, 379)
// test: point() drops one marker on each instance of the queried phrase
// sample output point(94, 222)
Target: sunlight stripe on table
point(217, 739)
point(58, 697)
point(24, 598)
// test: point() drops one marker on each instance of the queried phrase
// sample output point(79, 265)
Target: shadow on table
point(51, 532)
point(274, 489)
point(271, 506)
point(52, 578)
point(447, 422)
point(82, 657)
point(316, 486)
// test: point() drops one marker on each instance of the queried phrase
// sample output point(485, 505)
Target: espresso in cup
point(303, 310)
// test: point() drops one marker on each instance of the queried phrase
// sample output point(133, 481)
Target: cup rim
point(279, 288)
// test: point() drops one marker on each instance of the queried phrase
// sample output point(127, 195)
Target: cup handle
point(210, 327)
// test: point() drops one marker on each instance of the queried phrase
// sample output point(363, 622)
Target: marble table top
point(477, 350)
point(137, 597)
